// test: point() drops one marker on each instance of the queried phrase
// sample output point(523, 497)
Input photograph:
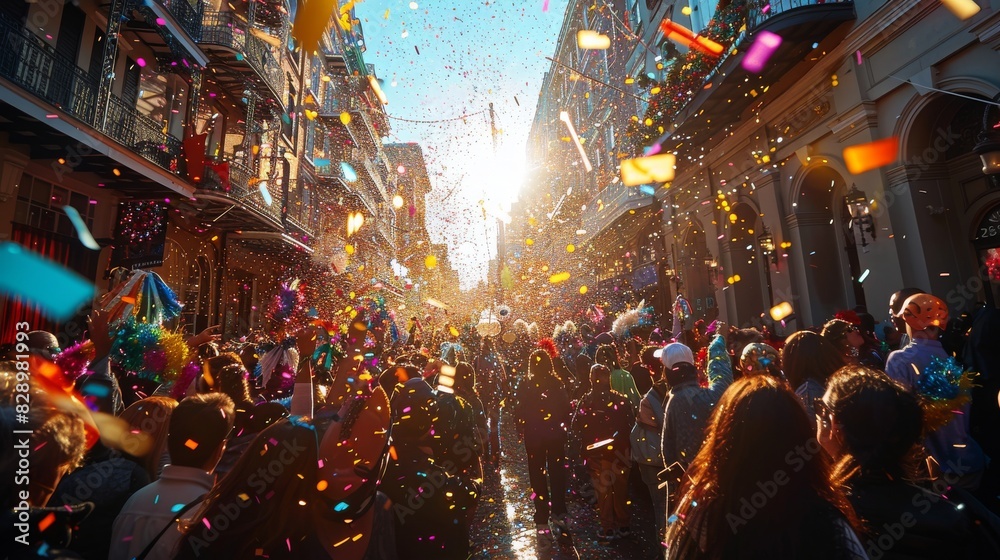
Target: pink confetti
point(545, 6)
point(857, 56)
point(760, 51)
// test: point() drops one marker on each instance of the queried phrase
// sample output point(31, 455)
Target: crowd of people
point(847, 440)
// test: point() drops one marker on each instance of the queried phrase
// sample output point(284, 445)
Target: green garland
point(691, 70)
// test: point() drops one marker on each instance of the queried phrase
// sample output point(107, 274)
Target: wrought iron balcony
point(229, 42)
point(612, 206)
point(300, 227)
point(332, 176)
point(42, 72)
point(697, 102)
point(241, 203)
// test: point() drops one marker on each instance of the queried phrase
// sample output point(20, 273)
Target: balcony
point(300, 227)
point(47, 77)
point(362, 201)
point(178, 21)
point(242, 205)
point(625, 208)
point(697, 100)
point(236, 54)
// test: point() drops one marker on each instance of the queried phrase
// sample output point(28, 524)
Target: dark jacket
point(603, 422)
point(543, 409)
point(905, 521)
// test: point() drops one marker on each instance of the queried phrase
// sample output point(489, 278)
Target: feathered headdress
point(286, 302)
point(565, 334)
point(629, 319)
point(549, 346)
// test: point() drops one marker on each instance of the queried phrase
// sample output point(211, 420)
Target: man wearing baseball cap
point(954, 451)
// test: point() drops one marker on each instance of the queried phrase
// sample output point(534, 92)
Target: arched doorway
point(827, 247)
point(746, 273)
point(949, 196)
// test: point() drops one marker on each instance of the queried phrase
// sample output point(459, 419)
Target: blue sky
point(449, 58)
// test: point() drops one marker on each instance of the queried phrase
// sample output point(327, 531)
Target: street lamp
point(988, 146)
point(860, 212)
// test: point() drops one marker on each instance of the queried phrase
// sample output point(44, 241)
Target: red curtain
point(13, 310)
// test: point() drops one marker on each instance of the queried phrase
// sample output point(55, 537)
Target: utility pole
point(501, 227)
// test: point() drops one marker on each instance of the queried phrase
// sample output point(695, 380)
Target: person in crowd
point(846, 337)
point(432, 504)
point(196, 439)
point(646, 369)
point(646, 450)
point(740, 338)
point(466, 386)
point(146, 443)
point(603, 421)
point(808, 360)
point(895, 307)
point(761, 487)
point(871, 426)
point(107, 479)
point(870, 353)
point(689, 405)
point(954, 452)
point(493, 386)
point(457, 438)
point(543, 416)
point(263, 507)
point(621, 380)
point(760, 359)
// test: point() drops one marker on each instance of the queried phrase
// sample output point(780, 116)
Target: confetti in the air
point(872, 155)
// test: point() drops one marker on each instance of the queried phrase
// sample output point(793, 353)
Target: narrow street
point(504, 527)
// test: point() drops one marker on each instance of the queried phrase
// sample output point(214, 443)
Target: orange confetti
point(684, 36)
point(191, 444)
point(46, 522)
point(865, 157)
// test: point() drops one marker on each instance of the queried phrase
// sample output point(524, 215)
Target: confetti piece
point(587, 39)
point(545, 6)
point(684, 36)
point(583, 290)
point(963, 9)
point(350, 175)
point(453, 330)
point(864, 275)
point(191, 444)
point(86, 238)
point(345, 118)
point(373, 81)
point(46, 522)
point(781, 311)
point(857, 57)
point(56, 290)
point(564, 117)
point(865, 157)
point(558, 277)
point(430, 261)
point(760, 51)
point(599, 444)
point(649, 169)
point(570, 248)
point(264, 193)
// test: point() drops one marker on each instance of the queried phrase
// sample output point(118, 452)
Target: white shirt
point(150, 509)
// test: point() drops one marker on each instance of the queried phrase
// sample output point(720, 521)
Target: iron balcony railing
point(612, 202)
point(249, 195)
point(227, 30)
point(187, 14)
point(300, 226)
point(44, 73)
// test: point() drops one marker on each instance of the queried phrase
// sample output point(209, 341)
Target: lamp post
point(988, 146)
point(766, 243)
point(860, 211)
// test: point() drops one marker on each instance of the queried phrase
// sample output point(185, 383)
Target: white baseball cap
point(674, 353)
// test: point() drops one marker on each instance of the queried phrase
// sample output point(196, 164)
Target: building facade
point(186, 134)
point(763, 209)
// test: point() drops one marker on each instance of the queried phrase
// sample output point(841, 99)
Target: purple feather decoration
point(286, 301)
point(190, 372)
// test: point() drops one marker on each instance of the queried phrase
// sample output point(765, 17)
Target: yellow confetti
point(570, 248)
point(349, 249)
point(386, 15)
point(558, 277)
point(583, 290)
point(453, 330)
point(781, 311)
point(529, 242)
point(345, 118)
point(430, 261)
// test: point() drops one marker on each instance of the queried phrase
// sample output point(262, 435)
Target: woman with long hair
point(543, 415)
point(871, 426)
point(761, 486)
point(621, 380)
point(808, 360)
point(263, 507)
